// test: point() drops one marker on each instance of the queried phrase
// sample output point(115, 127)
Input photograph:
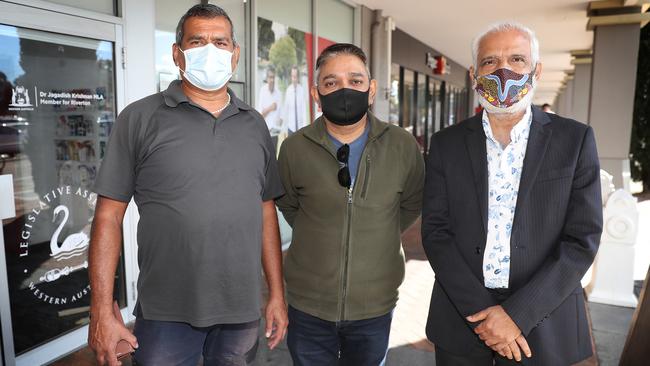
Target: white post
point(614, 268)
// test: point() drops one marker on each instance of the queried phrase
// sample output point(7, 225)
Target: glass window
point(237, 13)
point(393, 100)
point(335, 21)
point(437, 105)
point(452, 106)
point(293, 13)
point(284, 66)
point(421, 118)
point(335, 25)
point(408, 109)
point(445, 102)
point(284, 73)
point(100, 6)
point(431, 110)
point(168, 13)
point(57, 107)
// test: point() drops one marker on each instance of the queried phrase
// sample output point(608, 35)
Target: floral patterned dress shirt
point(504, 173)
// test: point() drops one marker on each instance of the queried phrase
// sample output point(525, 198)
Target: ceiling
point(450, 27)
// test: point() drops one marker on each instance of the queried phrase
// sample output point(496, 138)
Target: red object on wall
point(441, 65)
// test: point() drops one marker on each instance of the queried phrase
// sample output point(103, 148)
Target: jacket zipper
point(346, 257)
point(349, 197)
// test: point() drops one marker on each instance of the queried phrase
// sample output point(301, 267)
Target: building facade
point(68, 67)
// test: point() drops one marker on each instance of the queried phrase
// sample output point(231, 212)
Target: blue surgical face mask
point(207, 67)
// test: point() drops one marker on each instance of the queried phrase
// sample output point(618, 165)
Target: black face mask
point(345, 106)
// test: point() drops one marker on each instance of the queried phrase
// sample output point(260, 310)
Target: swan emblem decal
point(73, 245)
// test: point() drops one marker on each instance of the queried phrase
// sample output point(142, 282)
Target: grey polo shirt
point(199, 183)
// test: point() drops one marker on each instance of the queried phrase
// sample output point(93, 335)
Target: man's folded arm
point(411, 199)
point(288, 204)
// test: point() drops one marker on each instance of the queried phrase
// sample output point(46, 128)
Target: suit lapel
point(475, 142)
point(538, 140)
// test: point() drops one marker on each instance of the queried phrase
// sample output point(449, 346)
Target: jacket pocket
point(553, 174)
point(366, 179)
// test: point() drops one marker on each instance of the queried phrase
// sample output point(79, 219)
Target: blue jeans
point(174, 343)
point(316, 342)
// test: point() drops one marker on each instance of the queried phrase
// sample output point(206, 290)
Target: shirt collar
point(518, 132)
point(174, 96)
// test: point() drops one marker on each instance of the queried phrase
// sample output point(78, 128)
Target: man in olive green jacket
point(353, 185)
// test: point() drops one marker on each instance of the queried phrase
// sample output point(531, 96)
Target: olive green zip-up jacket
point(346, 261)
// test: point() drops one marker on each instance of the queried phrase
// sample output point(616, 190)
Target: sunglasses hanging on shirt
point(343, 154)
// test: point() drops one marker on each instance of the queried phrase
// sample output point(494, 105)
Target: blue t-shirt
point(356, 149)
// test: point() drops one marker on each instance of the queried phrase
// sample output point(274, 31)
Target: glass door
point(436, 107)
point(407, 104)
point(421, 110)
point(58, 102)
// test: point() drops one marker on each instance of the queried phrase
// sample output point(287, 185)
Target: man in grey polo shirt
point(201, 167)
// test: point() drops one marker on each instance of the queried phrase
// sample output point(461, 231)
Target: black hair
point(340, 49)
point(203, 11)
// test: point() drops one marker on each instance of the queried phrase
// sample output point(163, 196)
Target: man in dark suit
point(511, 220)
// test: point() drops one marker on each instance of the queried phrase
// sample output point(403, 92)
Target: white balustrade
point(612, 277)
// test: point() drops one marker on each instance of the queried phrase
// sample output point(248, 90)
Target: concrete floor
point(610, 325)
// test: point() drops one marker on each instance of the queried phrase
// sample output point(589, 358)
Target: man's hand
point(104, 333)
point(496, 326)
point(515, 349)
point(103, 254)
point(500, 333)
point(276, 321)
point(276, 308)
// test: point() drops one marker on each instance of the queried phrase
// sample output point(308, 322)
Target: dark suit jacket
point(555, 236)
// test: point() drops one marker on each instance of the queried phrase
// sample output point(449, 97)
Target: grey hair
point(336, 50)
point(203, 11)
point(504, 27)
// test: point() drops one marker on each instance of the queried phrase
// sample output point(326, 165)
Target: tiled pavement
point(408, 344)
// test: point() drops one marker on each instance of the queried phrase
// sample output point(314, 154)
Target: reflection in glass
point(437, 106)
point(393, 101)
point(446, 89)
point(421, 118)
point(335, 21)
point(167, 15)
point(452, 106)
point(408, 109)
point(57, 108)
point(431, 110)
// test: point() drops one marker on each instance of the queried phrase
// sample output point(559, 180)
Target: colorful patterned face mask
point(503, 88)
